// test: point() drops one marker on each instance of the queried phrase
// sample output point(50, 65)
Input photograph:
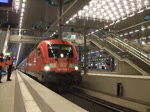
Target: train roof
point(56, 41)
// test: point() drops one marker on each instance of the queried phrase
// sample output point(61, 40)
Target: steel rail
point(105, 105)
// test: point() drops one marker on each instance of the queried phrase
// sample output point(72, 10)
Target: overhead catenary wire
point(61, 17)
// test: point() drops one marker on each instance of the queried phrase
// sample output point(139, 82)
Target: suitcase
point(2, 72)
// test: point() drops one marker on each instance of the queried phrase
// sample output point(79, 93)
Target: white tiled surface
point(56, 102)
point(30, 104)
point(7, 94)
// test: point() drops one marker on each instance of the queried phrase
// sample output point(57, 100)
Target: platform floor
point(24, 94)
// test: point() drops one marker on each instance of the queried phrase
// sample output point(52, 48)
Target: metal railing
point(123, 51)
point(137, 52)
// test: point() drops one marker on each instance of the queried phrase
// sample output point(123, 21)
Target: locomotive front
point(61, 64)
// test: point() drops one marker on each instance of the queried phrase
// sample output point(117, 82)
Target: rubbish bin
point(119, 89)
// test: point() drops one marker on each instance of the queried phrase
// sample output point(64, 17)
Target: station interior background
point(133, 30)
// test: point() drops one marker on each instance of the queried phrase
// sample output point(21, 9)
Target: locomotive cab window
point(39, 52)
point(60, 51)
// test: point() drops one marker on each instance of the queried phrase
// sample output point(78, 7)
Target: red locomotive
point(53, 61)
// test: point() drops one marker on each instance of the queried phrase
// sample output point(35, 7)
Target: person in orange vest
point(1, 64)
point(9, 62)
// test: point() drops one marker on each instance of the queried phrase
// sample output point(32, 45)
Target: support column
point(112, 64)
point(85, 50)
point(60, 24)
point(79, 53)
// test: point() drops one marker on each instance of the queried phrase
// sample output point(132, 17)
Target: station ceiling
point(38, 11)
point(43, 13)
point(35, 12)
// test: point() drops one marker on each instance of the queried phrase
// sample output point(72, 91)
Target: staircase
point(122, 51)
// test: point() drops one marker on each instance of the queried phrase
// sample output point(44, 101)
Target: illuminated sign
point(4, 1)
point(147, 17)
point(7, 3)
point(14, 63)
point(8, 54)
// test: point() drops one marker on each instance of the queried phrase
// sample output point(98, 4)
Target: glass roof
point(112, 10)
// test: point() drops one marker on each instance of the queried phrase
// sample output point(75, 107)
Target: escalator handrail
point(130, 49)
point(142, 52)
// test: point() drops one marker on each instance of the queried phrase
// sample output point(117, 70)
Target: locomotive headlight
point(76, 68)
point(61, 55)
point(47, 67)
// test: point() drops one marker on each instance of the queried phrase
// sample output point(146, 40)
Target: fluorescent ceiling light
point(67, 22)
point(118, 7)
point(23, 5)
point(136, 30)
point(22, 10)
point(21, 14)
point(131, 32)
point(126, 34)
point(21, 18)
point(111, 24)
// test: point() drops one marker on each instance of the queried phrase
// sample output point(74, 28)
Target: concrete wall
point(125, 68)
point(135, 88)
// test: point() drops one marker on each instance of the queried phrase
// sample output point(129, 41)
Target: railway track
point(93, 104)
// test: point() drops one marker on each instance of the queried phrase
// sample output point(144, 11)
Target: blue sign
point(3, 1)
point(47, 24)
point(147, 17)
point(14, 57)
point(38, 23)
point(14, 63)
point(50, 2)
point(2, 72)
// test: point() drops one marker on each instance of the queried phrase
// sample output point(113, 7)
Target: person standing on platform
point(1, 64)
point(9, 62)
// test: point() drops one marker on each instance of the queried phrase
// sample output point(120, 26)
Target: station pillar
point(112, 64)
point(60, 24)
point(79, 55)
point(85, 52)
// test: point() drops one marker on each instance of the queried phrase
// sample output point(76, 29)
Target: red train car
point(53, 61)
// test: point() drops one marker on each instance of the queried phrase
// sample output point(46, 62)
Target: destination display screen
point(7, 3)
point(4, 1)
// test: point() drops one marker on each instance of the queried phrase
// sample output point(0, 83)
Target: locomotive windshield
point(60, 51)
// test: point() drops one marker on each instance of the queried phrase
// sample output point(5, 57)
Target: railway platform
point(24, 94)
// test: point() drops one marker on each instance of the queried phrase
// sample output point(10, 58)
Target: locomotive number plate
point(63, 65)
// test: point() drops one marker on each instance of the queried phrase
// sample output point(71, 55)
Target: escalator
point(122, 51)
